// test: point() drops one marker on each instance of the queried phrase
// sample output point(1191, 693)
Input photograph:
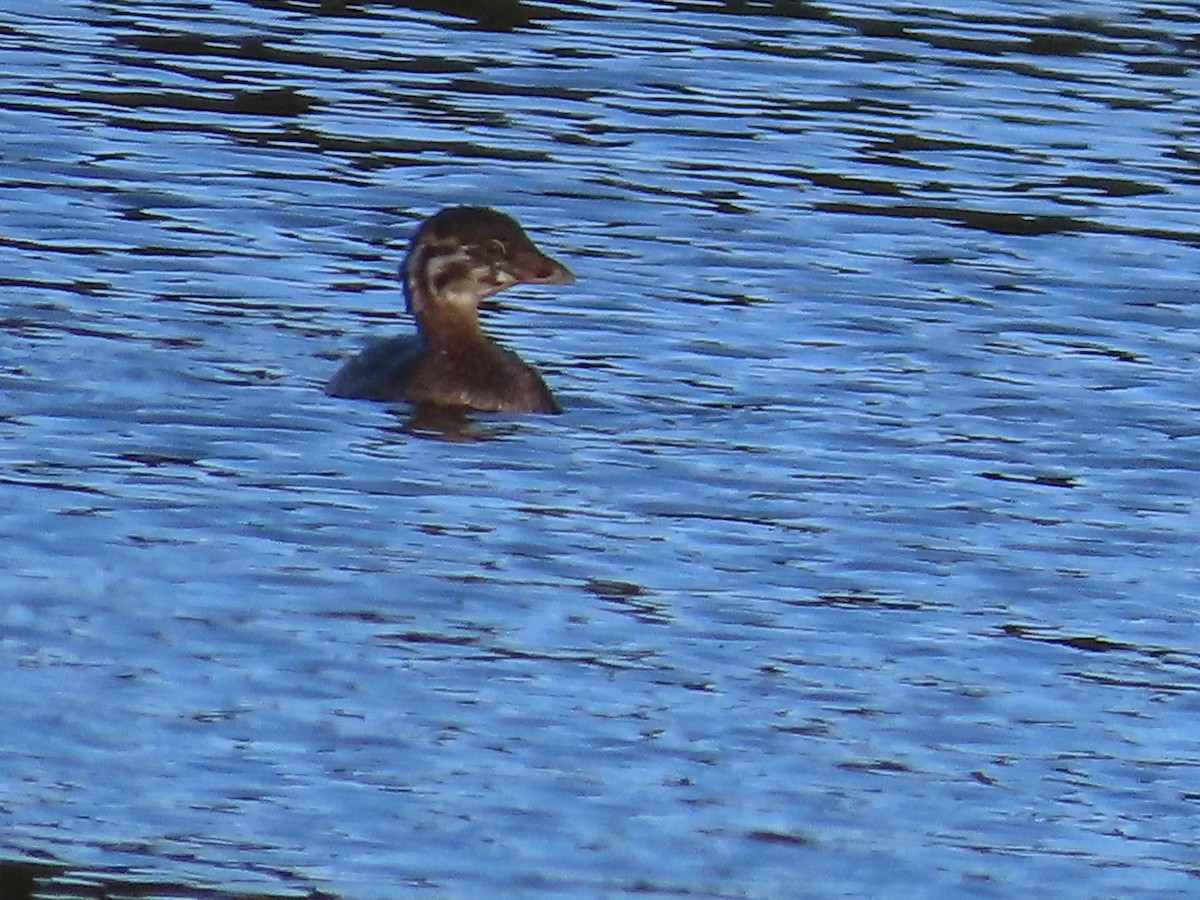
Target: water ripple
point(865, 545)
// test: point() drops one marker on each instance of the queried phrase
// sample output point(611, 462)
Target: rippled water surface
point(862, 563)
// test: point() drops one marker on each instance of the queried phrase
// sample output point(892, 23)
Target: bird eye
point(497, 249)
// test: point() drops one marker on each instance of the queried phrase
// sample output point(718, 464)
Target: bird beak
point(531, 266)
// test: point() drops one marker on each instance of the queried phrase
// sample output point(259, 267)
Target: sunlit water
point(862, 563)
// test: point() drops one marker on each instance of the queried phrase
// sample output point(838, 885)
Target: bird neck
point(446, 313)
point(450, 325)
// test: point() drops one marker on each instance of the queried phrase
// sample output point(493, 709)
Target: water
point(862, 563)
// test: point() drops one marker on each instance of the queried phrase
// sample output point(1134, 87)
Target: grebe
point(457, 258)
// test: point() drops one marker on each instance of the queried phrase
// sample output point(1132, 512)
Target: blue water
point(862, 563)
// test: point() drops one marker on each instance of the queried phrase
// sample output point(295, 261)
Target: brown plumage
point(457, 258)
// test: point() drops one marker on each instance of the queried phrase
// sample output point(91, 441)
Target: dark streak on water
point(863, 562)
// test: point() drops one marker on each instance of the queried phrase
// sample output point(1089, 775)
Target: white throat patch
point(430, 277)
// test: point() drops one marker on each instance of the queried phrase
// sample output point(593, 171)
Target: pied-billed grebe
point(457, 258)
